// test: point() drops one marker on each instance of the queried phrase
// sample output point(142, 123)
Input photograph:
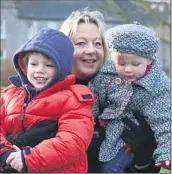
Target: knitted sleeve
point(95, 85)
point(158, 112)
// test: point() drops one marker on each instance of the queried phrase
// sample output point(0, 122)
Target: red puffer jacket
point(71, 106)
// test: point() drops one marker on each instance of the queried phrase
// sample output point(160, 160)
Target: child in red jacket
point(44, 90)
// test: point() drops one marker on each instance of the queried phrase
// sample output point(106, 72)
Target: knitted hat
point(133, 39)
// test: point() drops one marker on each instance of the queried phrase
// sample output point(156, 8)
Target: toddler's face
point(131, 67)
point(40, 70)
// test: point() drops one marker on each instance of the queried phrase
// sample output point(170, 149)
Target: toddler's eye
point(49, 65)
point(135, 64)
point(121, 64)
point(33, 64)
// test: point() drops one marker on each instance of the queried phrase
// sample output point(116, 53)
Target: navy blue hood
point(52, 43)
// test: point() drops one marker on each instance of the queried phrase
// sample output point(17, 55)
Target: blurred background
point(21, 19)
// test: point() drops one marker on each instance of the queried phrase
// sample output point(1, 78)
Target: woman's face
point(89, 52)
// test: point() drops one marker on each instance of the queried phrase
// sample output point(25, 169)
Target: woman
point(86, 29)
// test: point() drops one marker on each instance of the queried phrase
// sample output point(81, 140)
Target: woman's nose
point(90, 49)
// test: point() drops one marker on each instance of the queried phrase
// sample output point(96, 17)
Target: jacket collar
point(15, 80)
point(155, 80)
point(69, 80)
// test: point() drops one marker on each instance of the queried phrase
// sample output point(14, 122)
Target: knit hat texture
point(133, 39)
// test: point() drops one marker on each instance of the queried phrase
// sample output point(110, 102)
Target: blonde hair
point(70, 25)
point(115, 55)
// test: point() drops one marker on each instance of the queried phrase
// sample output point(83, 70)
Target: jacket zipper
point(24, 109)
point(22, 117)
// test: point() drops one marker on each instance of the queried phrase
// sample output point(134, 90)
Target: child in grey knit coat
point(132, 80)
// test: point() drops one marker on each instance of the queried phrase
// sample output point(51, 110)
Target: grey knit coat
point(117, 98)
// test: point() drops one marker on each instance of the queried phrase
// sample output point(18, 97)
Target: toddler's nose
point(128, 68)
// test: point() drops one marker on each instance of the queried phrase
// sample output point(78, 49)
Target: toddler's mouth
point(41, 79)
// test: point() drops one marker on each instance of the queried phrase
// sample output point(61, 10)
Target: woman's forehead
point(88, 30)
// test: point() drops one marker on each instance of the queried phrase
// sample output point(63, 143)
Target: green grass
point(164, 170)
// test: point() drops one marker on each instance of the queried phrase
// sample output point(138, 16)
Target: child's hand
point(15, 159)
point(165, 164)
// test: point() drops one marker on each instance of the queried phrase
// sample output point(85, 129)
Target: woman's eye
point(80, 43)
point(98, 44)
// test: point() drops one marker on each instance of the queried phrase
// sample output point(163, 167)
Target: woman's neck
point(82, 81)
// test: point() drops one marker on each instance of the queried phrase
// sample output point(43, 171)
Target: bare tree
point(160, 10)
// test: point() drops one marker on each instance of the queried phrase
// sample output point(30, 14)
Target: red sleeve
point(4, 144)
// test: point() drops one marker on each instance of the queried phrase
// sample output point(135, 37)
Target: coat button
point(118, 81)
